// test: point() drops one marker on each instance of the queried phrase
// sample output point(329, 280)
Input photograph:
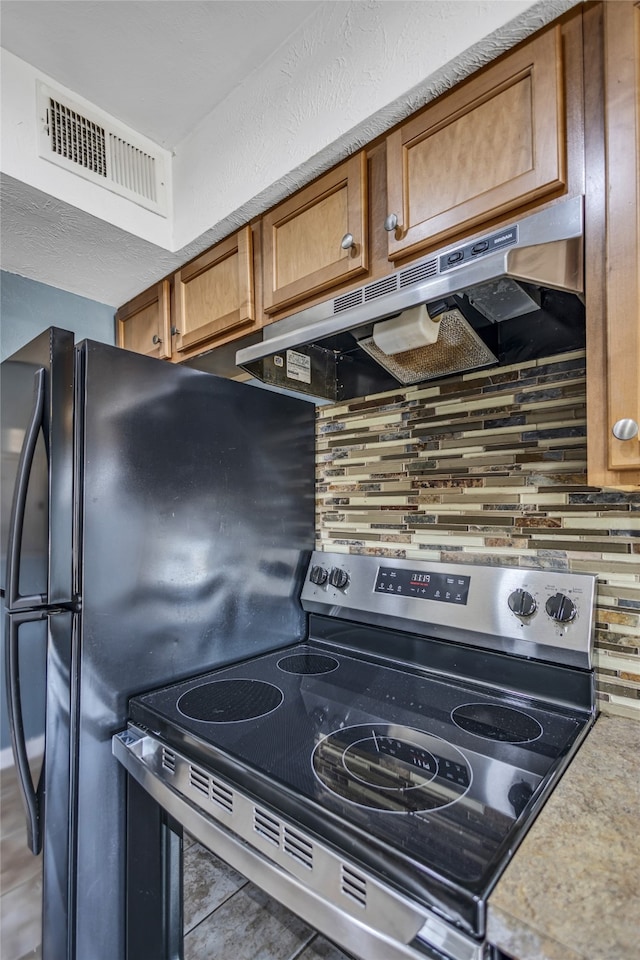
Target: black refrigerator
point(156, 522)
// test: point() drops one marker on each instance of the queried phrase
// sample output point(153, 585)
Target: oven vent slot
point(353, 886)
point(168, 760)
point(211, 788)
point(298, 847)
point(267, 826)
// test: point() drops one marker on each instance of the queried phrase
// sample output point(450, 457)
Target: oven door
point(353, 909)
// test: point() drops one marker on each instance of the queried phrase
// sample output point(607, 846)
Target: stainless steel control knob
point(625, 429)
point(339, 578)
point(318, 575)
point(560, 608)
point(522, 603)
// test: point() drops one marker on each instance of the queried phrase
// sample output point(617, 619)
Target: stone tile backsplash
point(488, 467)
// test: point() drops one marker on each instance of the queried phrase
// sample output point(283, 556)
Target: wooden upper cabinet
point(143, 325)
point(317, 238)
point(214, 295)
point(490, 146)
point(622, 254)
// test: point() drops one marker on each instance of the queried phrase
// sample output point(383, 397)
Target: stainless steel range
point(377, 778)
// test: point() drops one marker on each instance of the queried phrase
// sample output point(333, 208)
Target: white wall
point(19, 136)
point(348, 74)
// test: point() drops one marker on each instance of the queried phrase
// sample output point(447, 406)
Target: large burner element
point(391, 768)
point(493, 722)
point(227, 701)
point(307, 664)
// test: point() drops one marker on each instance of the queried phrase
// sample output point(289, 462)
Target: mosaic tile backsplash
point(490, 468)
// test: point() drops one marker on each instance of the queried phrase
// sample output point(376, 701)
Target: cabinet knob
point(625, 429)
point(174, 331)
point(347, 242)
point(391, 222)
point(156, 339)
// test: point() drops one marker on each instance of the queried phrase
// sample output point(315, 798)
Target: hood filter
point(457, 349)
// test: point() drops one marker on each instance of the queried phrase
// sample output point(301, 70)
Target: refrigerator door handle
point(13, 599)
point(32, 796)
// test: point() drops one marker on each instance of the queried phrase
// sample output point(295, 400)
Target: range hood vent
point(504, 297)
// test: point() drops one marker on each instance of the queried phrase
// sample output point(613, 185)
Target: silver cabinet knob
point(174, 331)
point(625, 429)
point(391, 222)
point(347, 242)
point(156, 339)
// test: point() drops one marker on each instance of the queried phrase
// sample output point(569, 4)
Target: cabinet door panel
point(143, 324)
point(214, 294)
point(302, 236)
point(622, 142)
point(494, 145)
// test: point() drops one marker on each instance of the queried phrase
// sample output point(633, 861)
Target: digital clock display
point(444, 587)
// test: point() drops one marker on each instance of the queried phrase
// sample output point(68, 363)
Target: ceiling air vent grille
point(93, 145)
point(132, 168)
point(76, 138)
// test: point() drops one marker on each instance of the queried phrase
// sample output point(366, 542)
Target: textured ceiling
point(158, 65)
point(162, 66)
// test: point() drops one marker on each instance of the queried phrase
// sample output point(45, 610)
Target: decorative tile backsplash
point(488, 467)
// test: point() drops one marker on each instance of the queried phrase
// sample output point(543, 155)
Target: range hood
point(502, 297)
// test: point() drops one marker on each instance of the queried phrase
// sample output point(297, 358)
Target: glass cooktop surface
point(437, 769)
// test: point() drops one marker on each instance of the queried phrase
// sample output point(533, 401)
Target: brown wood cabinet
point(613, 250)
point(208, 302)
point(494, 144)
point(143, 325)
point(214, 294)
point(316, 239)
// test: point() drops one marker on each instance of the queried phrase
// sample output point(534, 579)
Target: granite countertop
point(572, 890)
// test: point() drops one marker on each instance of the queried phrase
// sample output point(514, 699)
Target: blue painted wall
point(26, 309)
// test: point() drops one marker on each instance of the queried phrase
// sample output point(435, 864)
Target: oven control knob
point(561, 608)
point(522, 603)
point(318, 575)
point(339, 578)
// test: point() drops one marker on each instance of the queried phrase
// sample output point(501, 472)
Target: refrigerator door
point(36, 512)
point(196, 521)
point(36, 645)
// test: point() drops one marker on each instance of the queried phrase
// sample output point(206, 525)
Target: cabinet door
point(306, 238)
point(143, 324)
point(622, 143)
point(493, 145)
point(214, 294)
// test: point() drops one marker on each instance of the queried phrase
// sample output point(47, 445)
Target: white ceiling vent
point(93, 145)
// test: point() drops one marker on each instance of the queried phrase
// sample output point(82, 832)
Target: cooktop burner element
point(308, 664)
point(391, 768)
point(227, 701)
point(494, 722)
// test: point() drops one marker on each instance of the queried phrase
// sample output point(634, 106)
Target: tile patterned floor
point(225, 916)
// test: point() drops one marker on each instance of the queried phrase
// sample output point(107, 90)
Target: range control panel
point(423, 584)
point(539, 613)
